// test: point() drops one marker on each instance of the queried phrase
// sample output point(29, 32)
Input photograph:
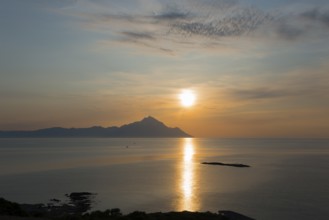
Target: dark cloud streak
point(171, 16)
point(317, 15)
point(289, 32)
point(259, 93)
point(295, 26)
point(138, 35)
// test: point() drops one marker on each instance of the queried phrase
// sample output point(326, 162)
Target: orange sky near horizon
point(109, 63)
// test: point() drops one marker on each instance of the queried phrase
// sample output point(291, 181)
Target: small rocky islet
point(225, 164)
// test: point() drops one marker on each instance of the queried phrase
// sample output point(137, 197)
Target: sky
point(259, 68)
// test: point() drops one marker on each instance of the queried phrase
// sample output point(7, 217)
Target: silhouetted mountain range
point(148, 127)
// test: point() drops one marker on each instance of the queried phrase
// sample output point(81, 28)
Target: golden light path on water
point(187, 184)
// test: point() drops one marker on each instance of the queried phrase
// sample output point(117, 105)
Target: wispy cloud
point(317, 15)
point(239, 22)
point(171, 16)
point(137, 35)
point(260, 93)
point(301, 23)
point(288, 31)
point(300, 86)
point(168, 23)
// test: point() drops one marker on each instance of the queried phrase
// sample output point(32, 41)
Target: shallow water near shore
point(288, 178)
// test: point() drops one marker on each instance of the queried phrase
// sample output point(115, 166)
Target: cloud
point(238, 23)
point(304, 84)
point(170, 16)
point(317, 15)
point(289, 32)
point(168, 24)
point(301, 23)
point(176, 24)
point(259, 93)
point(137, 35)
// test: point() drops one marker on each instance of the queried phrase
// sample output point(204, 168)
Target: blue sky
point(259, 68)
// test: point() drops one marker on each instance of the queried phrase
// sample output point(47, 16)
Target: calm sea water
point(288, 178)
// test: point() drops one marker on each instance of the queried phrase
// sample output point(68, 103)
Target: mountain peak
point(150, 119)
point(150, 127)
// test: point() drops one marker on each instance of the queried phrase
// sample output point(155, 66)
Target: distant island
point(226, 164)
point(148, 127)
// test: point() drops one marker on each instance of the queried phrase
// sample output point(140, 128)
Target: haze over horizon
point(257, 68)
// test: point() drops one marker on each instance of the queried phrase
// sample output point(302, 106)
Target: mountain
point(148, 127)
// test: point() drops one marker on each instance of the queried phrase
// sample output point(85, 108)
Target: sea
point(288, 179)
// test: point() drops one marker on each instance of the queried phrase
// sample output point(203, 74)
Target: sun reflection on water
point(187, 183)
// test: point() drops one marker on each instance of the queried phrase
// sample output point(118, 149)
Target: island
point(147, 127)
point(226, 164)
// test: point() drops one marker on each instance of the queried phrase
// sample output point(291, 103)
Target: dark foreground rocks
point(79, 204)
point(185, 215)
point(11, 208)
point(234, 215)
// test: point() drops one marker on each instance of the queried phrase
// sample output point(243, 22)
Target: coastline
point(79, 206)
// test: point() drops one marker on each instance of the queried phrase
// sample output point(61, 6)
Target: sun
point(187, 98)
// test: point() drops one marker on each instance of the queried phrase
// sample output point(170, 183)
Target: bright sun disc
point(187, 98)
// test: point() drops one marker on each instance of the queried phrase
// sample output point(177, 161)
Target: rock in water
point(226, 164)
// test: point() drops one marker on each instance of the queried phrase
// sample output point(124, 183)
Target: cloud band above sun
point(165, 24)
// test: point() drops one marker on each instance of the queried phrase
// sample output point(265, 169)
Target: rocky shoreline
point(80, 203)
